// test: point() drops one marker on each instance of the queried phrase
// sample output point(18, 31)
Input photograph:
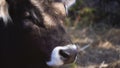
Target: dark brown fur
point(26, 41)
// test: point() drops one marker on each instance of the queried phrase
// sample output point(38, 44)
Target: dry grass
point(104, 51)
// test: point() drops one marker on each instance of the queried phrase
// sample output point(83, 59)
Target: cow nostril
point(64, 54)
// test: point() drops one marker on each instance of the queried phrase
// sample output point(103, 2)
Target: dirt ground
point(104, 50)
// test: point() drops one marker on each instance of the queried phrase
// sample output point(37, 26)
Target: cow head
point(41, 24)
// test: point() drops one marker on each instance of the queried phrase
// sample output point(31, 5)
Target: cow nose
point(68, 55)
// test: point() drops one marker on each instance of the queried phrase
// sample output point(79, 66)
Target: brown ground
point(104, 52)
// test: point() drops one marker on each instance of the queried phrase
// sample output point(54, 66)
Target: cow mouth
point(63, 55)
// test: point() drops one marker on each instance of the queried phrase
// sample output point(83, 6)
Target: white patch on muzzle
point(4, 14)
point(55, 56)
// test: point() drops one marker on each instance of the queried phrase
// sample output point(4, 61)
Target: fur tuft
point(4, 14)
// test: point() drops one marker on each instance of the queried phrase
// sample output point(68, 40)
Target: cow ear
point(67, 3)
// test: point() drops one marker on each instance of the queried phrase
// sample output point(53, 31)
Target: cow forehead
point(52, 12)
point(57, 7)
point(60, 7)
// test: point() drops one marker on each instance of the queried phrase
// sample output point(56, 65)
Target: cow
point(32, 34)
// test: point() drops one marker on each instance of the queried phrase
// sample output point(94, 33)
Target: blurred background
point(95, 22)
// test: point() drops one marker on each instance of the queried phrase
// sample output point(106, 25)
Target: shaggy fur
point(35, 29)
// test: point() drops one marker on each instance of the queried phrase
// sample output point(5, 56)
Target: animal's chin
point(58, 64)
point(62, 55)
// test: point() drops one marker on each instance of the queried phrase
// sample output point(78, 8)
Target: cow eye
point(31, 16)
point(27, 14)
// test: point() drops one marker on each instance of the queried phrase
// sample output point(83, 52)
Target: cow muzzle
point(63, 55)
